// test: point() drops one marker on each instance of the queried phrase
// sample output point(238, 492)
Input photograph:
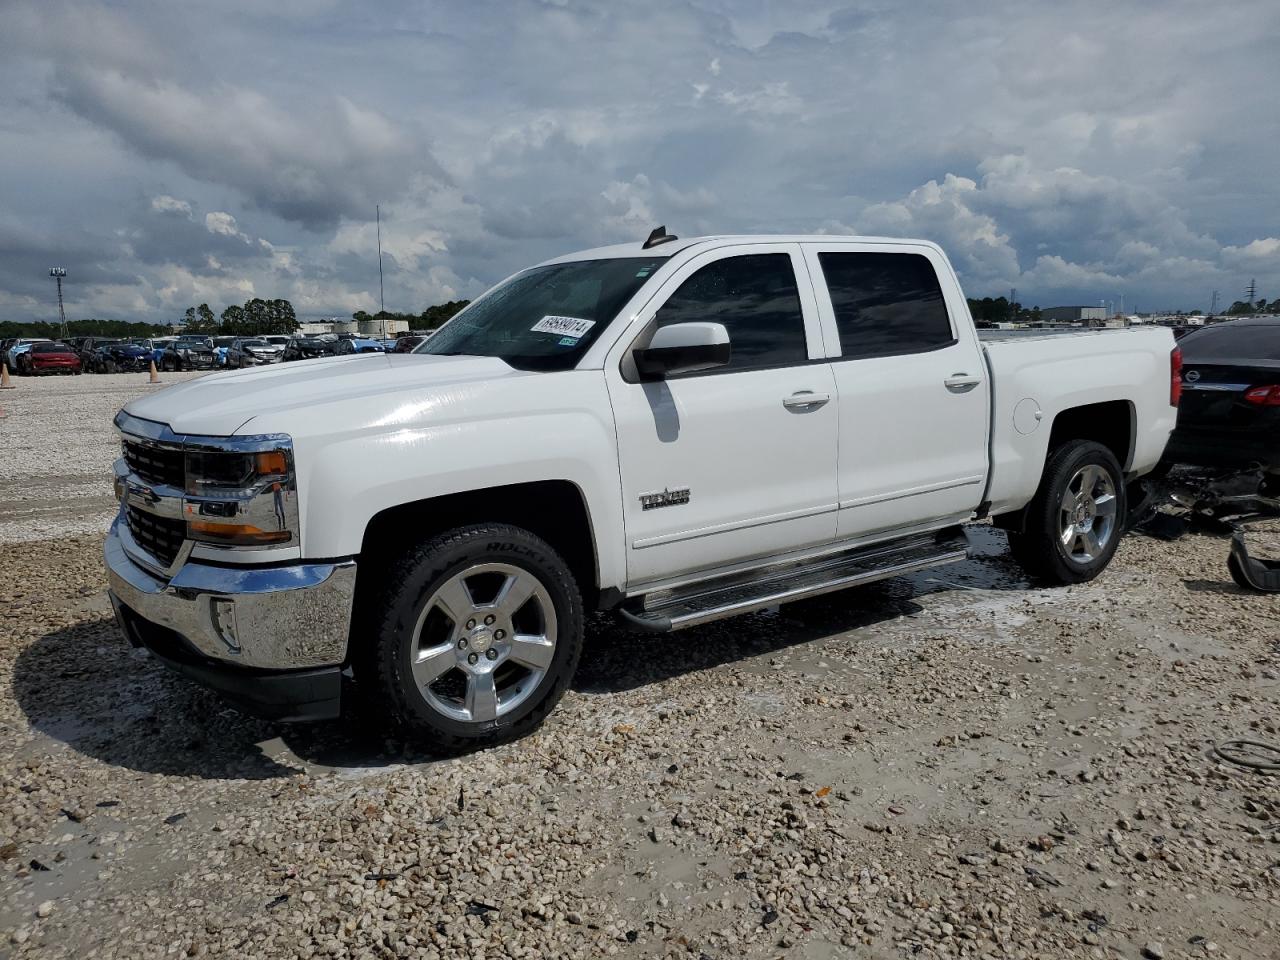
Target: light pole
point(58, 273)
point(382, 299)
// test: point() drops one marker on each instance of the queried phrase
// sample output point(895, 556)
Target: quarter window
point(756, 299)
point(886, 303)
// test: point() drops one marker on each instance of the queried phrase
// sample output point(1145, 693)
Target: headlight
point(241, 492)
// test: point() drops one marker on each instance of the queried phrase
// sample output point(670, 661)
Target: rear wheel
point(480, 633)
point(1073, 525)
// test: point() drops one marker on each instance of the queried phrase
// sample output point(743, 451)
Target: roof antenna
point(658, 236)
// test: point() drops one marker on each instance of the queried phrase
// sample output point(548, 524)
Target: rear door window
point(886, 303)
point(756, 298)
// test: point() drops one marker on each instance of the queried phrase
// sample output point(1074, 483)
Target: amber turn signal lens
point(271, 464)
point(236, 534)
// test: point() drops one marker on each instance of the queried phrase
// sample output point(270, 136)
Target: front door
point(739, 462)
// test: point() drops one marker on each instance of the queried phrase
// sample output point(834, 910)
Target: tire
point(1081, 496)
point(444, 705)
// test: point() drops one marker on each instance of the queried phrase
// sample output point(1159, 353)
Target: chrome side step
point(726, 597)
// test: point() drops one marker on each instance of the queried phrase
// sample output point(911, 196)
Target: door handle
point(805, 400)
point(961, 382)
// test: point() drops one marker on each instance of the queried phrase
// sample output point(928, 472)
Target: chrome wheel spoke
point(482, 696)
point(455, 600)
point(514, 594)
point(1089, 543)
point(534, 652)
point(1106, 505)
point(1069, 535)
point(1088, 480)
point(431, 664)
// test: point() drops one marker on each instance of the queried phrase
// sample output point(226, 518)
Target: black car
point(307, 348)
point(87, 348)
point(188, 353)
point(1229, 416)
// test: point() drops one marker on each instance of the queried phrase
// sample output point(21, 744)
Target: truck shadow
point(83, 686)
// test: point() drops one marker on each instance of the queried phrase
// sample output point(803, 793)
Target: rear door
point(726, 465)
point(912, 387)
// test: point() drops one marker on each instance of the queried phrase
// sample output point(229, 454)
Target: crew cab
point(674, 431)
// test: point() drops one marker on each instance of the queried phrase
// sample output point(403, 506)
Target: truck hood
point(221, 404)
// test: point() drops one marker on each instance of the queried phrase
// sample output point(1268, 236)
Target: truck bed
point(1122, 374)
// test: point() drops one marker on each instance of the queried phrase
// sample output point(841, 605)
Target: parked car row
point(188, 351)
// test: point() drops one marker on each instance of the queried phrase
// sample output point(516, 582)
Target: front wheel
point(1074, 524)
point(478, 636)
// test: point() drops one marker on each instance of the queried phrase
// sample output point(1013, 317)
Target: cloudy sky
point(171, 152)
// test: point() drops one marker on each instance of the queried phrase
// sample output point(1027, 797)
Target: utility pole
point(1013, 298)
point(1213, 303)
point(382, 300)
point(58, 273)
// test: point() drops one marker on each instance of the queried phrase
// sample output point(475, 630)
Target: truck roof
point(637, 249)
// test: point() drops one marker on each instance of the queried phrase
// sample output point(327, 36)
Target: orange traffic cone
point(4, 378)
point(155, 377)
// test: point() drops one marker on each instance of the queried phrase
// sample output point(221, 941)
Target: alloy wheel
point(1087, 514)
point(483, 642)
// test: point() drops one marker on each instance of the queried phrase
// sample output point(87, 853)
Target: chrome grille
point(160, 536)
point(162, 466)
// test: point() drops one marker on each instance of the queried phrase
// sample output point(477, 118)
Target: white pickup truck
point(675, 431)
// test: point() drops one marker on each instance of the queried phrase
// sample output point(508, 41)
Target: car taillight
point(1268, 396)
point(1175, 377)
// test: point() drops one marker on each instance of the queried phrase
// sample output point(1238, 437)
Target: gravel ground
point(58, 445)
point(950, 764)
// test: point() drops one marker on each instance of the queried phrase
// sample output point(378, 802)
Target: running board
point(666, 610)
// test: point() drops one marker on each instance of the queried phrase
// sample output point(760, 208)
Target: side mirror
point(684, 348)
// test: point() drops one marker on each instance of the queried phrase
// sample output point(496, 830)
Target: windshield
point(253, 343)
point(1232, 341)
point(544, 318)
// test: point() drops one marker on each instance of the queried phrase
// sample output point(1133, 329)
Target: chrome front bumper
point(289, 617)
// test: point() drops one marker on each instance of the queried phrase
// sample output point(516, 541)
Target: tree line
point(81, 328)
point(1245, 307)
point(988, 311)
point(257, 316)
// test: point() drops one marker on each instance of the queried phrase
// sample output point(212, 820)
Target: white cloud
point(167, 204)
point(223, 223)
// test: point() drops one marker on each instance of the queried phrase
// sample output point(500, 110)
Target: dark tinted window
point(1232, 341)
point(756, 299)
point(886, 303)
point(51, 348)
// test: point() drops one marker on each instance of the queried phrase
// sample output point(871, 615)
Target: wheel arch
point(1111, 423)
point(554, 510)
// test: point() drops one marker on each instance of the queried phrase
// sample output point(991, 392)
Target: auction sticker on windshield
point(564, 326)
